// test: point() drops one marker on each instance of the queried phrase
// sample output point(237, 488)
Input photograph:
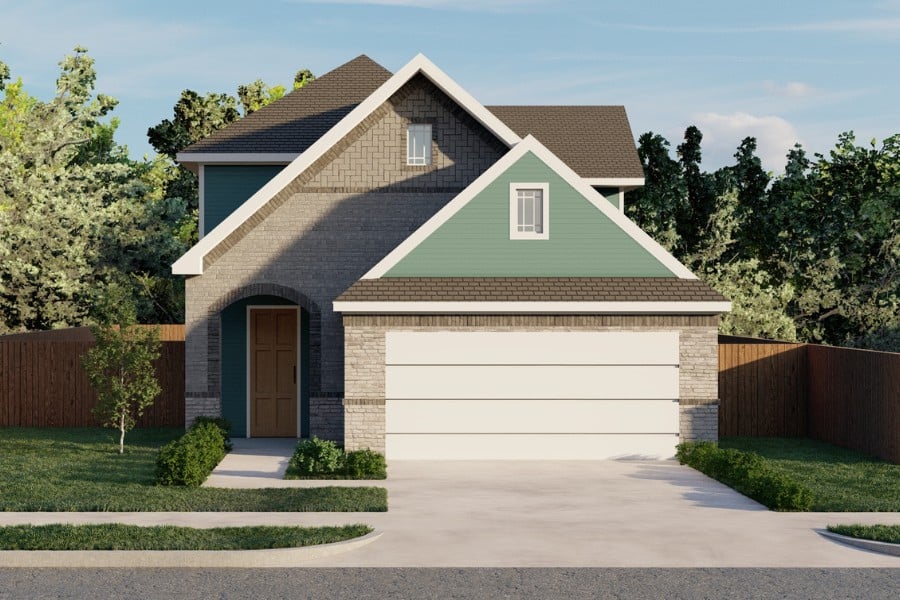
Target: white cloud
point(791, 89)
point(723, 133)
point(466, 5)
point(843, 26)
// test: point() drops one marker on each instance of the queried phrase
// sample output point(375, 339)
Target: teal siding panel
point(234, 361)
point(611, 194)
point(225, 187)
point(583, 242)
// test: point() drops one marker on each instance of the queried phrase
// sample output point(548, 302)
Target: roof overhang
point(489, 307)
point(192, 160)
point(629, 183)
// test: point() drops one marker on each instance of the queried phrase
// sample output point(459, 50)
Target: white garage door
point(531, 395)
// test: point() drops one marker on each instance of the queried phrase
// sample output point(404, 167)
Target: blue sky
point(779, 70)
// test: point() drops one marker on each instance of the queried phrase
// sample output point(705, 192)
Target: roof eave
point(549, 307)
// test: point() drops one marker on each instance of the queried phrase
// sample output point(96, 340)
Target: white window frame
point(412, 159)
point(514, 233)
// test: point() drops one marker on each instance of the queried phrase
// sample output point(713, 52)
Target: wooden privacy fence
point(843, 396)
point(42, 383)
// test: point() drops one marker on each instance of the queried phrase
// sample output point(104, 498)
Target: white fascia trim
point(533, 307)
point(191, 263)
point(236, 158)
point(529, 144)
point(615, 181)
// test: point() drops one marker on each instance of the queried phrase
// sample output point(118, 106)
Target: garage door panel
point(529, 382)
point(531, 348)
point(529, 446)
point(531, 416)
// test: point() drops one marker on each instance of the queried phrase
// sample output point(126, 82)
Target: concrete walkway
point(535, 514)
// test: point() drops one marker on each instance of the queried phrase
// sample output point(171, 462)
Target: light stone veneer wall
point(364, 347)
point(324, 231)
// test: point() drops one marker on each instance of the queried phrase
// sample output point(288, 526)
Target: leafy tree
point(701, 191)
point(657, 206)
point(302, 77)
point(77, 215)
point(120, 367)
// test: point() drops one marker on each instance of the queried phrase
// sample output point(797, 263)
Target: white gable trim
point(191, 263)
point(529, 144)
point(490, 307)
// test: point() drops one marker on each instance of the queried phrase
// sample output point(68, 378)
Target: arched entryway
point(268, 354)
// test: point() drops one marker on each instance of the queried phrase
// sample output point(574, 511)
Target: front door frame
point(298, 346)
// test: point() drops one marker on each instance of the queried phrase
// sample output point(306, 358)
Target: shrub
point(222, 423)
point(316, 457)
point(190, 459)
point(323, 459)
point(748, 473)
point(365, 464)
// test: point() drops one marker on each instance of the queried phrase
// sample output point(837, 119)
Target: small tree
point(120, 368)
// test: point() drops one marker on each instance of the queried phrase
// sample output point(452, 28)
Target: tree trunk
point(122, 433)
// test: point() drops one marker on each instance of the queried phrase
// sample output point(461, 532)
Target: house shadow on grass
point(697, 488)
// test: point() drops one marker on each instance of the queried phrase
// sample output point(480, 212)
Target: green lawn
point(841, 480)
point(114, 536)
point(879, 533)
point(81, 470)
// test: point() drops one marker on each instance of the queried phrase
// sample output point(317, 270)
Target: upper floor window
point(529, 211)
point(418, 144)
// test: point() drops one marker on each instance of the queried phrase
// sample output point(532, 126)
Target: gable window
point(529, 211)
point(418, 144)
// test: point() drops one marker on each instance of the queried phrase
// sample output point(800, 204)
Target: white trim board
point(615, 181)
point(299, 360)
point(529, 144)
point(236, 158)
point(490, 307)
point(191, 263)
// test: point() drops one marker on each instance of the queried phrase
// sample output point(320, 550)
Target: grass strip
point(840, 480)
point(115, 536)
point(877, 533)
point(80, 470)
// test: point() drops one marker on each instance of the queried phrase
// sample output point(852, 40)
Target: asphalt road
point(694, 584)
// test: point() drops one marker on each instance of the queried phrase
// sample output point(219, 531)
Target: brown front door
point(273, 372)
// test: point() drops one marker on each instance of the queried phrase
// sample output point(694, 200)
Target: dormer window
point(418, 144)
point(529, 211)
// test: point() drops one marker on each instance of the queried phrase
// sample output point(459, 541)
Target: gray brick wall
point(326, 229)
point(364, 343)
point(699, 423)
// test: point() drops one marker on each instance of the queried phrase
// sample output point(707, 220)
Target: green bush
point(190, 459)
point(748, 473)
point(365, 464)
point(220, 422)
point(323, 459)
point(316, 457)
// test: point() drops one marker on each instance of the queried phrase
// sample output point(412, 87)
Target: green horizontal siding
point(225, 187)
point(583, 241)
point(234, 362)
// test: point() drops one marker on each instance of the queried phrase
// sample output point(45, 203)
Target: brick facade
point(324, 231)
point(364, 347)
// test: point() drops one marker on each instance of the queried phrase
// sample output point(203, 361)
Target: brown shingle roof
point(293, 123)
point(595, 141)
point(530, 289)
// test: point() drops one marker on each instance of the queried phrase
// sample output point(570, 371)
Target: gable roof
point(596, 141)
point(278, 132)
point(293, 123)
point(191, 263)
point(529, 144)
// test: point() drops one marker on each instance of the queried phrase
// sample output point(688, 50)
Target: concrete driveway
point(548, 514)
point(579, 514)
